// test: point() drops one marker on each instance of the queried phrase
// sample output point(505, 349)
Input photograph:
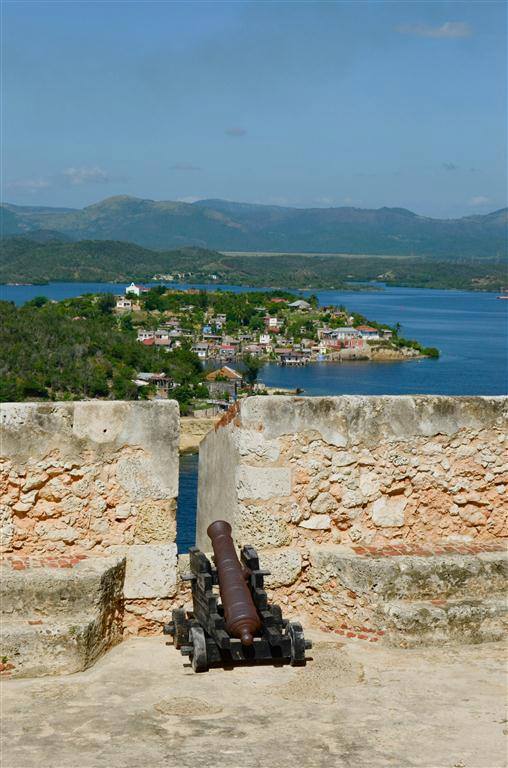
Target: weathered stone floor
point(355, 705)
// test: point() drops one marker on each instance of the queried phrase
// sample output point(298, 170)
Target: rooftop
point(225, 372)
point(354, 704)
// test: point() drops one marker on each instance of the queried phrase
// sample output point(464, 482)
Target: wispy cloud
point(450, 166)
point(70, 177)
point(478, 200)
point(185, 167)
point(235, 131)
point(75, 177)
point(450, 29)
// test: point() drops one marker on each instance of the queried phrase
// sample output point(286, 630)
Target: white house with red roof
point(368, 332)
point(135, 289)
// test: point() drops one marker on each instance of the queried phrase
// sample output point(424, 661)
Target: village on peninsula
point(234, 334)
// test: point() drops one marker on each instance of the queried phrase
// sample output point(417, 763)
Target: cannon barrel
point(241, 616)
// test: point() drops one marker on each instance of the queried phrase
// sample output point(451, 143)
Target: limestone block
point(100, 526)
point(6, 526)
point(50, 532)
point(59, 621)
point(261, 527)
point(71, 505)
point(123, 511)
point(155, 522)
point(151, 571)
point(254, 444)
point(324, 504)
point(21, 507)
point(369, 483)
point(35, 481)
point(472, 515)
point(263, 483)
point(343, 459)
point(317, 523)
point(389, 512)
point(136, 476)
point(352, 498)
point(285, 565)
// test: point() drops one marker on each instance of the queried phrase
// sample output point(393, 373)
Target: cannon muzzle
point(240, 614)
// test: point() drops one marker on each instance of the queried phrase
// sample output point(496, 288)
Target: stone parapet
point(54, 621)
point(358, 470)
point(92, 479)
point(380, 476)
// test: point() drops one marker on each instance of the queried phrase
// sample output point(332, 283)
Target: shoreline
point(350, 288)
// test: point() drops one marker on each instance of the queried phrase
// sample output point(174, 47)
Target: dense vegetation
point(24, 260)
point(224, 225)
point(78, 349)
point(245, 313)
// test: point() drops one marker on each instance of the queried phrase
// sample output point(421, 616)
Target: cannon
point(243, 627)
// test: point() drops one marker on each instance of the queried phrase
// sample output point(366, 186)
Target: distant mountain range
point(229, 226)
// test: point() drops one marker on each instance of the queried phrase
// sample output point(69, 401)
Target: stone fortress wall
point(373, 514)
point(94, 479)
point(355, 503)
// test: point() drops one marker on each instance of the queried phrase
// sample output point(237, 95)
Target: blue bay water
point(470, 330)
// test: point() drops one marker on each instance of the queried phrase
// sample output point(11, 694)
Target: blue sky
point(291, 103)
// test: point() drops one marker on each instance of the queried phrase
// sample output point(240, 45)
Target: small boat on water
point(503, 297)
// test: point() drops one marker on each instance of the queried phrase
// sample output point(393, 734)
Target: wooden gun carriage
point(207, 634)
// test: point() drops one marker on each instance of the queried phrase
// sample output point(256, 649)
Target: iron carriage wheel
point(179, 627)
point(298, 644)
point(198, 655)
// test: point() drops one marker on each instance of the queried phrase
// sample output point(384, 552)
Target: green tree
point(251, 367)
point(38, 301)
point(106, 303)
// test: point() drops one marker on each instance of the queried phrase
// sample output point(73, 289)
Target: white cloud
point(479, 200)
point(85, 175)
point(450, 29)
point(235, 131)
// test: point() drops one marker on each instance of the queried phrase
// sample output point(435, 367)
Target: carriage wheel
point(180, 627)
point(199, 656)
point(298, 644)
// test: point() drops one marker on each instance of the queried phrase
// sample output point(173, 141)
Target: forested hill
point(26, 261)
point(223, 225)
